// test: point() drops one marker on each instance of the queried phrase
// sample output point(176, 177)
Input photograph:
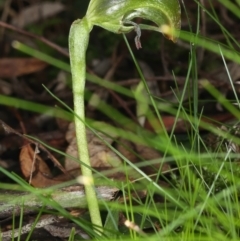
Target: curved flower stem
point(78, 42)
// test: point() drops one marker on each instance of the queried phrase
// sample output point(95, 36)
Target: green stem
point(78, 43)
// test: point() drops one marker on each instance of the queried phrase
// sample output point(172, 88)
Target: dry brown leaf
point(37, 12)
point(31, 162)
point(41, 181)
point(14, 67)
point(34, 169)
point(100, 154)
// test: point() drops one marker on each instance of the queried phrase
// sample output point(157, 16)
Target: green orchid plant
point(116, 16)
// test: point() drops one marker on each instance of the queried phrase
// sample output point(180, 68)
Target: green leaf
point(114, 15)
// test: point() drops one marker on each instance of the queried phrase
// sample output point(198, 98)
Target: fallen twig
point(69, 197)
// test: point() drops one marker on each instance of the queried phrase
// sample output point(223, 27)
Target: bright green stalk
point(78, 42)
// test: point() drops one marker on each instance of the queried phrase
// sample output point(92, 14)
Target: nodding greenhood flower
point(116, 16)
